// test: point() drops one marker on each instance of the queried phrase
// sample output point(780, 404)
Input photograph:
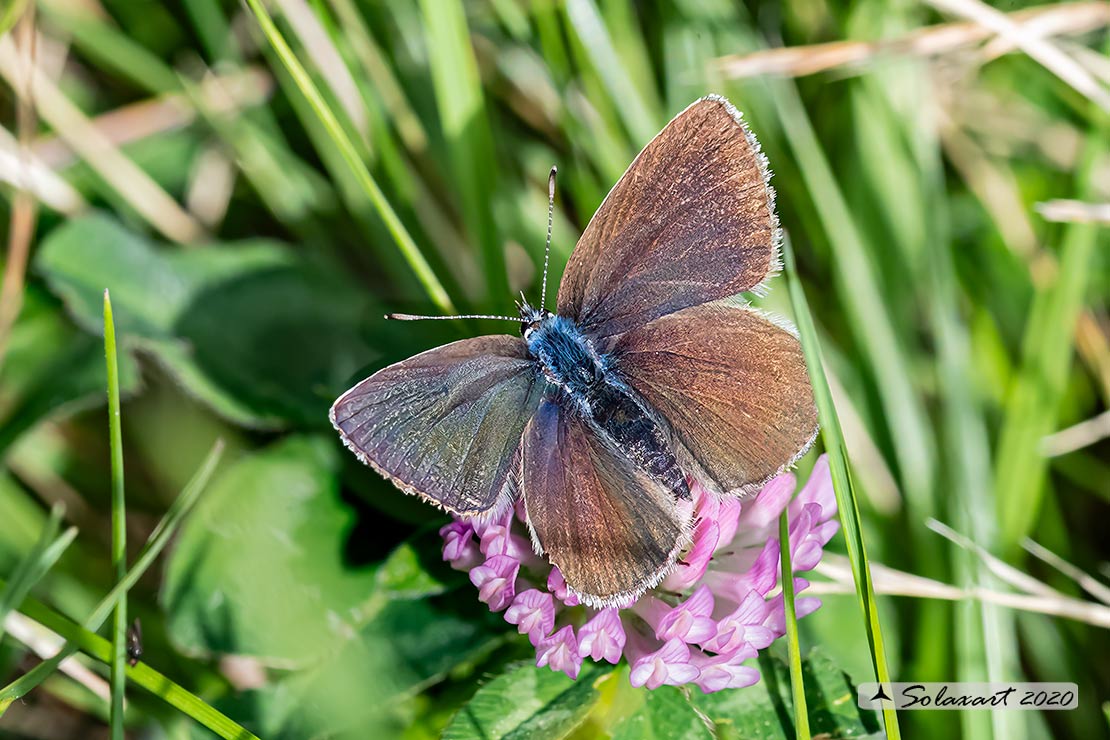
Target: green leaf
point(363, 688)
point(763, 711)
point(268, 539)
point(119, 525)
point(156, 542)
point(666, 714)
point(404, 575)
point(263, 336)
point(528, 702)
point(52, 368)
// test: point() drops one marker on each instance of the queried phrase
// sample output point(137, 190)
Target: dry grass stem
point(1004, 571)
point(996, 188)
point(46, 644)
point(1074, 211)
point(1042, 50)
point(1049, 20)
point(224, 94)
point(1083, 434)
point(211, 184)
point(23, 170)
point(140, 191)
point(21, 227)
point(1085, 580)
point(891, 582)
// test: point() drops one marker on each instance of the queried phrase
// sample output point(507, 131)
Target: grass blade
point(409, 251)
point(141, 674)
point(869, 318)
point(1033, 404)
point(585, 20)
point(11, 14)
point(462, 112)
point(40, 559)
point(157, 541)
point(846, 501)
point(119, 524)
point(794, 650)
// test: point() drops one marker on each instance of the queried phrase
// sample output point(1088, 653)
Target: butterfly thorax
point(566, 356)
point(587, 381)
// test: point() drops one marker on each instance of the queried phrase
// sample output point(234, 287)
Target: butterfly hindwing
point(691, 221)
point(445, 424)
point(732, 386)
point(612, 530)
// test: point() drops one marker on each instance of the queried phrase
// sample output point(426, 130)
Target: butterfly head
point(531, 318)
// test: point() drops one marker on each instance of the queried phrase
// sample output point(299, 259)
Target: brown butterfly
point(643, 378)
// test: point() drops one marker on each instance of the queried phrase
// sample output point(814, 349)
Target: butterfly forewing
point(611, 529)
point(731, 384)
point(691, 221)
point(445, 423)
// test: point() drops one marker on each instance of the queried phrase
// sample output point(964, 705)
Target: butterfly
point(645, 377)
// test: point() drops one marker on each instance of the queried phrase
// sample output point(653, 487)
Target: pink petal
point(725, 671)
point(691, 567)
point(496, 581)
point(459, 547)
point(603, 637)
point(669, 665)
point(769, 504)
point(706, 504)
point(817, 490)
point(744, 571)
point(803, 606)
point(499, 539)
point(560, 652)
point(533, 612)
point(743, 627)
point(728, 519)
point(558, 586)
point(690, 621)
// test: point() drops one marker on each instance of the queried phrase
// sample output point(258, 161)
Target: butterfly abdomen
point(587, 382)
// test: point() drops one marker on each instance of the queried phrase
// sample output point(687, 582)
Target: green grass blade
point(409, 251)
point(11, 14)
point(40, 559)
point(846, 501)
point(462, 113)
point(111, 49)
point(857, 284)
point(157, 541)
point(585, 20)
point(119, 524)
point(1033, 404)
point(794, 650)
point(141, 674)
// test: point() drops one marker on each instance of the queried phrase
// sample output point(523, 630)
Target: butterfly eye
point(525, 328)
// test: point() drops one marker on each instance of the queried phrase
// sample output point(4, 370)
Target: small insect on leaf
point(134, 643)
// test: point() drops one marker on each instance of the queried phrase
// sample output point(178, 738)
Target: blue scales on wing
point(447, 423)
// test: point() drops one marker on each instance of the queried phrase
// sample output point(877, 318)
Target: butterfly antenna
point(547, 248)
point(414, 317)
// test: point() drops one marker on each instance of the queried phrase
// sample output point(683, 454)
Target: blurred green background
point(920, 159)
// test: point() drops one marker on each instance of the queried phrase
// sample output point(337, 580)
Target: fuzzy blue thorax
point(567, 357)
point(588, 381)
